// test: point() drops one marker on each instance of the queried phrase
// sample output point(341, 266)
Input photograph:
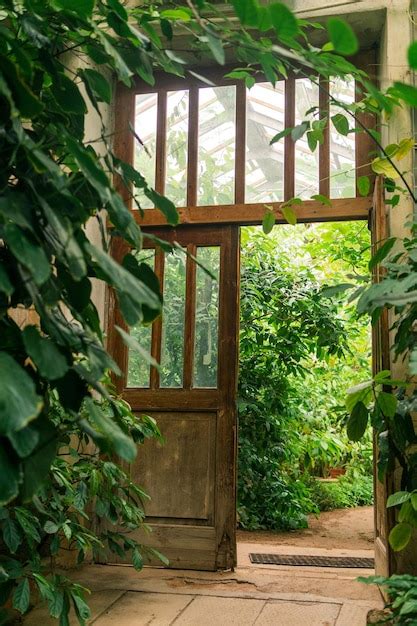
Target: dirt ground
point(342, 528)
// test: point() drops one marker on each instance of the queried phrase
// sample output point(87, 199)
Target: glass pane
point(176, 147)
point(306, 162)
point(172, 349)
point(146, 106)
point(207, 318)
point(264, 163)
point(342, 149)
point(138, 370)
point(216, 145)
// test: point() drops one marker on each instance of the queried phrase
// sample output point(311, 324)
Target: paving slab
point(351, 615)
point(296, 613)
point(205, 611)
point(143, 609)
point(98, 602)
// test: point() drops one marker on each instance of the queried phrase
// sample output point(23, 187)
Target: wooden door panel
point(383, 517)
point(186, 459)
point(191, 478)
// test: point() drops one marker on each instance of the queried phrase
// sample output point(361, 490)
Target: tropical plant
point(81, 483)
point(297, 354)
point(402, 603)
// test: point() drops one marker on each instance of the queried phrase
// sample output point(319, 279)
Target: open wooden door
point(381, 361)
point(191, 478)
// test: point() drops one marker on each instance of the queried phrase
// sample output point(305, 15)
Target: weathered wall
point(396, 37)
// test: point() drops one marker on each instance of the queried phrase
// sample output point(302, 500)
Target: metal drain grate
point(311, 561)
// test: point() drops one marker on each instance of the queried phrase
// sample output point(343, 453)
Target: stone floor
point(262, 595)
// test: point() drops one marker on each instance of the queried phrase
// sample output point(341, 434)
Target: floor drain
point(311, 561)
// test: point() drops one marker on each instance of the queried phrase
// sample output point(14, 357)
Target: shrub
point(81, 485)
point(347, 492)
point(298, 355)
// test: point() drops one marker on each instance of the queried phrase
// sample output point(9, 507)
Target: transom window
point(211, 145)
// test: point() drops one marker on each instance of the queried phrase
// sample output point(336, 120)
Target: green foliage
point(402, 594)
point(54, 181)
point(295, 361)
point(80, 484)
point(349, 491)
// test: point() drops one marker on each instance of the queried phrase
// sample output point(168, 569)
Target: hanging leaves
point(342, 37)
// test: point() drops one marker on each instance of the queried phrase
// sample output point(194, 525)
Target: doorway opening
point(303, 487)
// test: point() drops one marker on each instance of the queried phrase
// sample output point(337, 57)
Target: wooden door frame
point(381, 360)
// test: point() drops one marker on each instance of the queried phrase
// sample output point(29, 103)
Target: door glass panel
point(216, 145)
point(264, 163)
point(138, 370)
point(172, 348)
point(306, 162)
point(146, 106)
point(177, 146)
point(342, 148)
point(206, 317)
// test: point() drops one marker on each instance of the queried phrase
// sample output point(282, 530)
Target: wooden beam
point(341, 209)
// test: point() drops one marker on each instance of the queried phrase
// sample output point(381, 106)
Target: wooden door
point(381, 361)
point(191, 478)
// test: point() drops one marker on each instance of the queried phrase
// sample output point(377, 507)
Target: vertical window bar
point(157, 325)
point(324, 148)
point(240, 157)
point(161, 133)
point(289, 148)
point(192, 162)
point(124, 140)
point(189, 317)
point(363, 143)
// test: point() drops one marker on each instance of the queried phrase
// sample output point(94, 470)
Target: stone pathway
point(252, 595)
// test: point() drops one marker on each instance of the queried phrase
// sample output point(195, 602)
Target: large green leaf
point(165, 205)
point(49, 360)
point(24, 441)
point(124, 281)
point(364, 185)
point(408, 93)
point(340, 123)
point(21, 596)
point(109, 433)
point(400, 536)
point(342, 36)
point(247, 11)
point(36, 466)
point(98, 84)
point(67, 95)
point(283, 21)
point(387, 403)
point(19, 402)
point(83, 8)
point(357, 422)
point(133, 344)
point(11, 535)
point(268, 222)
point(9, 476)
point(382, 252)
point(28, 253)
point(24, 98)
point(412, 55)
point(5, 283)
point(398, 498)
